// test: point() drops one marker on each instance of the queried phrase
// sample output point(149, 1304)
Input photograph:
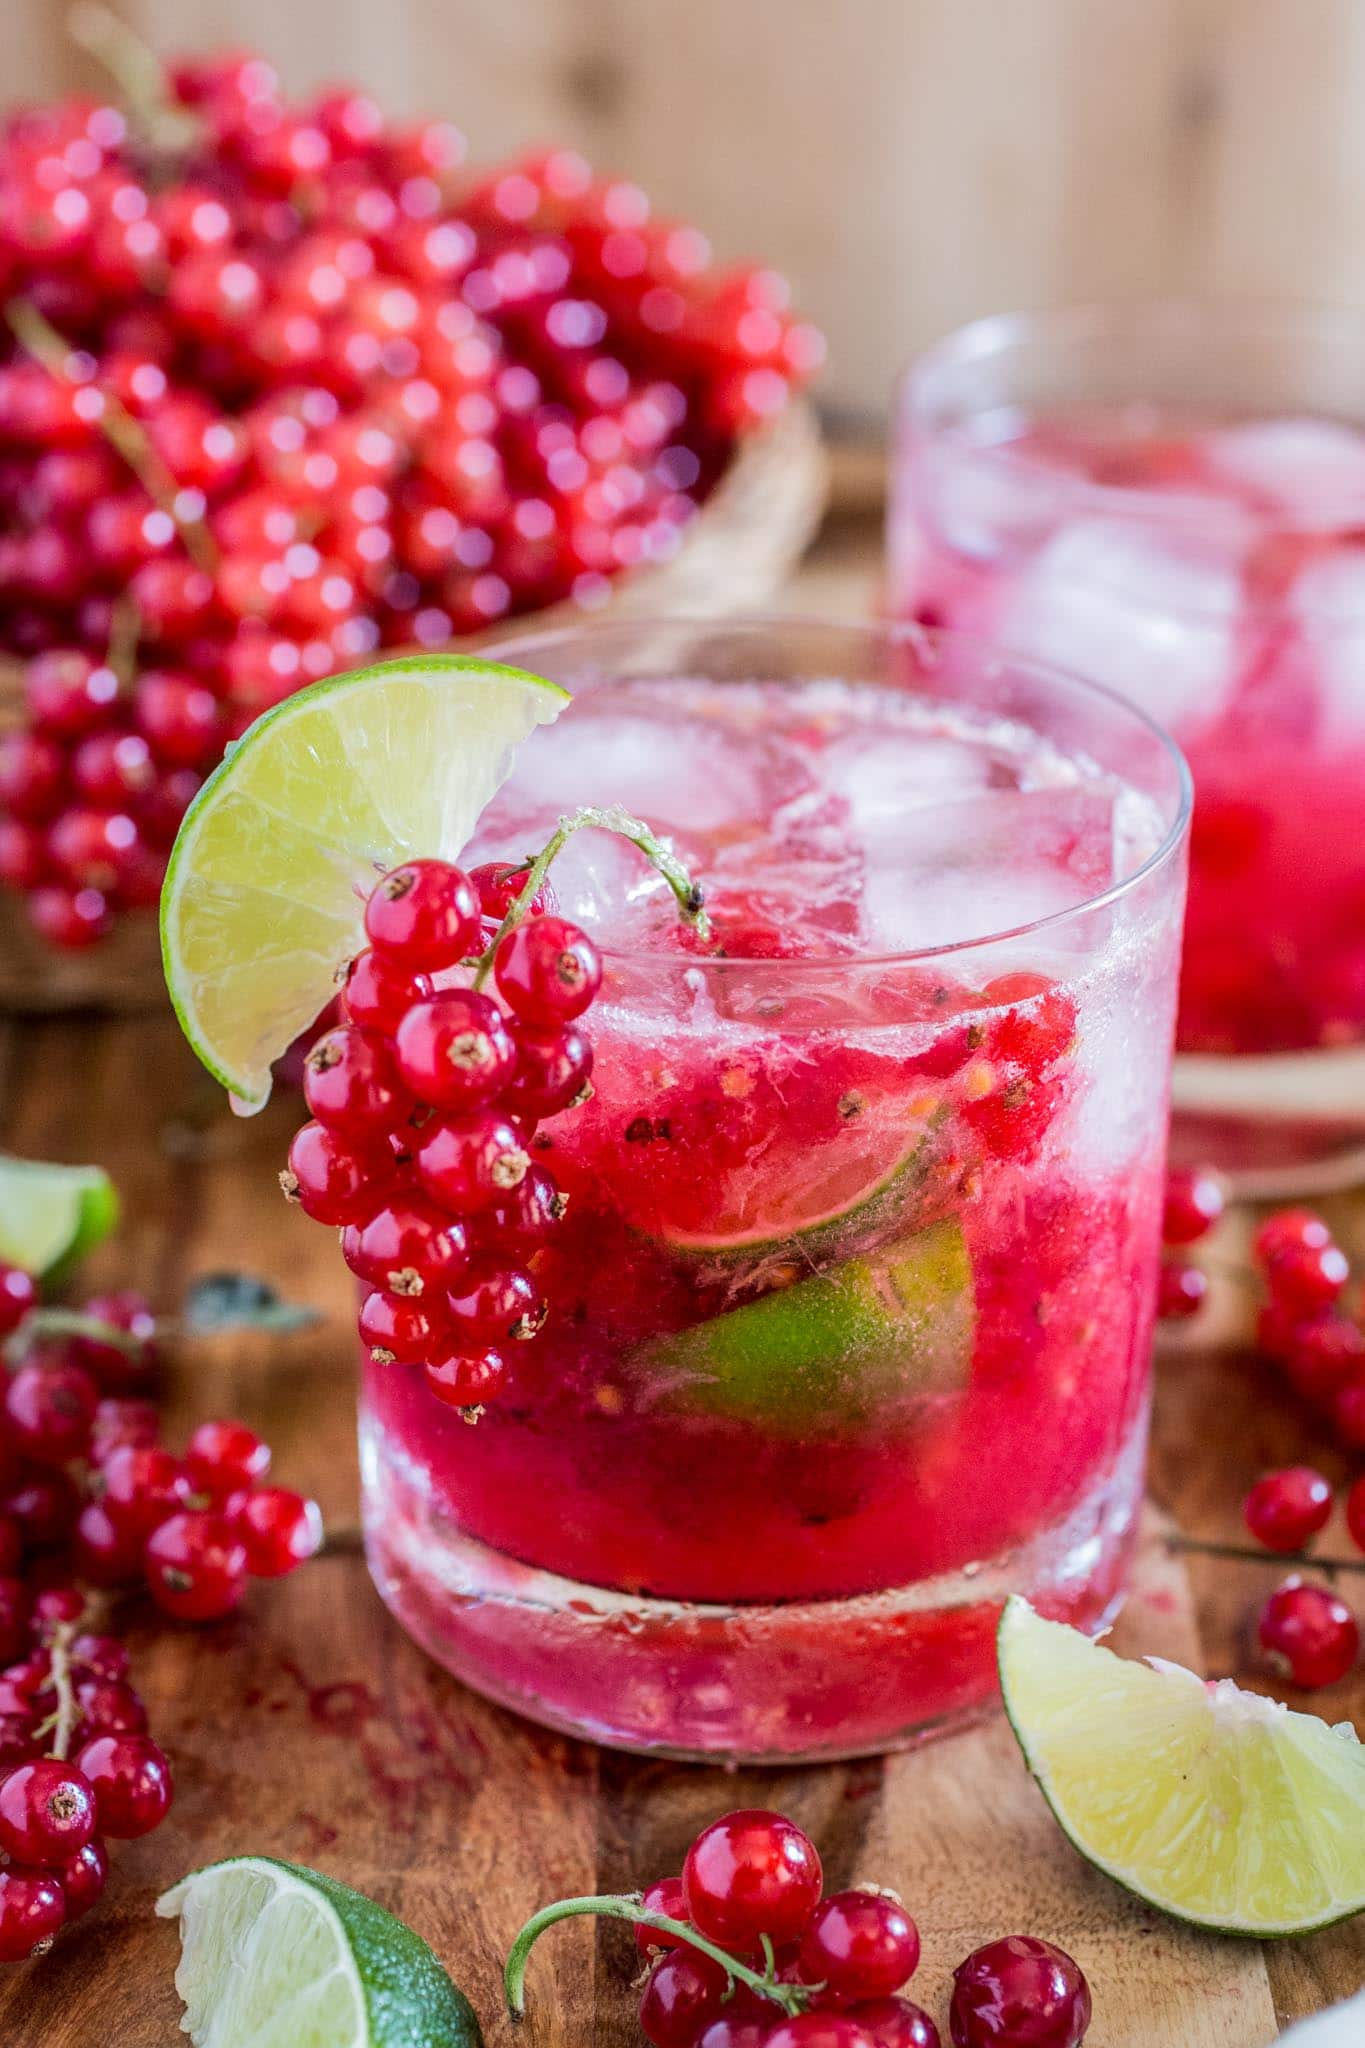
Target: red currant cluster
point(90, 1499)
point(1307, 1633)
point(299, 386)
point(425, 1101)
point(746, 1952)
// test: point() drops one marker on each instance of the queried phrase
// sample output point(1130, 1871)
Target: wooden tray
point(749, 535)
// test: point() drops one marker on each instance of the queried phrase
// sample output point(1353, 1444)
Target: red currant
point(1348, 1415)
point(1309, 1635)
point(108, 1708)
point(861, 1944)
point(47, 1812)
point(499, 883)
point(106, 1555)
point(224, 1457)
point(1308, 1278)
point(751, 1873)
point(83, 1878)
point(896, 2023)
point(497, 1304)
point(470, 1165)
point(1022, 1991)
point(103, 1656)
point(1181, 1291)
point(350, 1083)
point(32, 1910)
point(664, 1896)
point(132, 1784)
point(1285, 1508)
point(1290, 1230)
point(819, 2030)
point(683, 1992)
point(379, 991)
point(32, 777)
point(280, 1530)
point(396, 1327)
point(18, 1294)
point(424, 915)
point(1194, 1203)
point(552, 1071)
point(735, 2033)
point(455, 1050)
point(1355, 1513)
point(70, 919)
point(1322, 1354)
point(548, 970)
point(142, 1484)
point(530, 1215)
point(196, 1567)
point(332, 1181)
point(407, 1247)
point(50, 1410)
point(466, 1379)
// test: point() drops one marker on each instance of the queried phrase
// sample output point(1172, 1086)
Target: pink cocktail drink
point(851, 1308)
point(1171, 501)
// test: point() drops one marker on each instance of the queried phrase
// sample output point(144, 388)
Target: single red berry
point(32, 1910)
point(1019, 1991)
point(45, 1505)
point(224, 1457)
point(1308, 1278)
point(548, 970)
point(497, 1305)
point(109, 1708)
point(1285, 1508)
point(466, 1379)
point(68, 693)
point(332, 1180)
point(18, 1294)
point(1181, 1291)
point(424, 915)
point(1309, 1636)
point(1323, 1354)
point(498, 884)
point(50, 1411)
point(861, 1944)
point(105, 1555)
point(664, 1896)
point(819, 2030)
point(407, 1247)
point(751, 1873)
point(57, 1607)
point(351, 1085)
point(142, 1484)
point(469, 1165)
point(69, 919)
point(455, 1050)
point(379, 991)
point(684, 1991)
point(529, 1216)
point(32, 777)
point(1355, 1513)
point(101, 1656)
point(83, 1878)
point(119, 1421)
point(553, 1068)
point(397, 1327)
point(727, 2032)
point(896, 2023)
point(124, 1359)
point(1348, 1415)
point(47, 1812)
point(196, 1567)
point(132, 1783)
point(280, 1530)
point(1194, 1203)
point(1289, 1230)
point(1276, 1330)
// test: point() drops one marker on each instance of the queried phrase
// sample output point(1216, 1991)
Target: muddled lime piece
point(264, 897)
point(50, 1216)
point(832, 1350)
point(276, 1956)
point(1214, 1804)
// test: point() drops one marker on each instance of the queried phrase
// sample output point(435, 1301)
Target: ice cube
point(880, 774)
point(987, 502)
point(1312, 468)
point(1328, 601)
point(1151, 611)
point(965, 871)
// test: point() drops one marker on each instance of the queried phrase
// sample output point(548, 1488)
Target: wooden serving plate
point(743, 543)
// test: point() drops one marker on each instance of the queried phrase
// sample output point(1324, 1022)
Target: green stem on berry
point(61, 1723)
point(125, 434)
point(791, 1998)
point(41, 1323)
point(136, 70)
point(608, 818)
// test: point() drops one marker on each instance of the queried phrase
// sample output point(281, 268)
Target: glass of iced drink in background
point(851, 1308)
point(1170, 499)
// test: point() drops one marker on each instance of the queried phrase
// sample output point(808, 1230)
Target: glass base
point(755, 1684)
point(1276, 1125)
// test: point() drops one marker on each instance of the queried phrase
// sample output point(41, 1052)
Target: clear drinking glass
point(1170, 499)
point(850, 1313)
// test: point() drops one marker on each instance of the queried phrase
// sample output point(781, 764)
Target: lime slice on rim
point(1218, 1806)
point(264, 897)
point(50, 1216)
point(276, 1956)
point(832, 1351)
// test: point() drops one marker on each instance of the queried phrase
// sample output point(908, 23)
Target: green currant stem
point(135, 69)
point(42, 341)
point(61, 1724)
point(792, 1998)
point(42, 1323)
point(611, 818)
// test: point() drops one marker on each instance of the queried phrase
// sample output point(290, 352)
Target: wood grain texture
point(911, 163)
point(309, 1728)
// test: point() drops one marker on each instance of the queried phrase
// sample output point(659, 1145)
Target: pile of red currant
point(746, 1951)
point(281, 384)
point(91, 1502)
point(425, 1101)
point(1307, 1633)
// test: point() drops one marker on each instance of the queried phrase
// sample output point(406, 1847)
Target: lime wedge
point(50, 1216)
point(1218, 1806)
point(832, 1351)
point(264, 897)
point(276, 1956)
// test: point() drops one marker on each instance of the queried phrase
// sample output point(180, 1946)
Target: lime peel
point(1221, 1807)
point(51, 1215)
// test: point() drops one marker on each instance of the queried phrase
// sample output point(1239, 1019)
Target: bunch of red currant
point(425, 1102)
point(90, 1499)
point(280, 384)
point(745, 1951)
point(1307, 1633)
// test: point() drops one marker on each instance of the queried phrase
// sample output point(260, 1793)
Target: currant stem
point(609, 818)
point(791, 1998)
point(135, 69)
point(61, 1723)
point(125, 434)
point(42, 1323)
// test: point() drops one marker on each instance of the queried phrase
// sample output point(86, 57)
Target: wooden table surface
point(308, 1727)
